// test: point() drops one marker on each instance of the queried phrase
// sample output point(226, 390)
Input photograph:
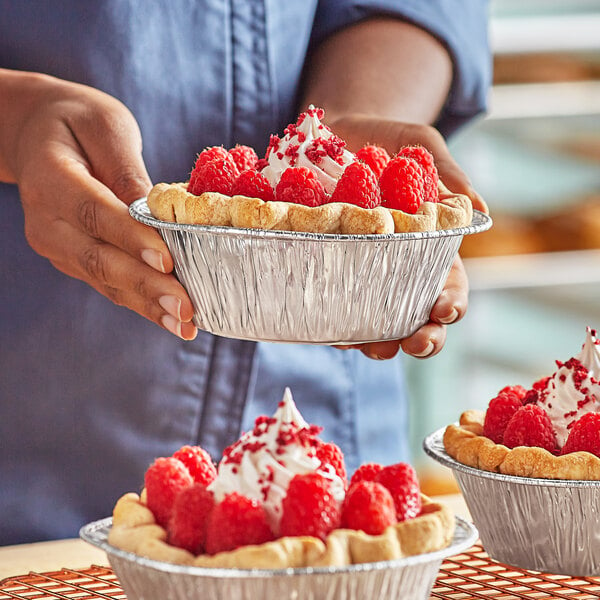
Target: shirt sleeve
point(462, 26)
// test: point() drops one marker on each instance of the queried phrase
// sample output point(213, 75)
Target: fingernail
point(428, 350)
point(453, 316)
point(172, 305)
point(154, 259)
point(171, 324)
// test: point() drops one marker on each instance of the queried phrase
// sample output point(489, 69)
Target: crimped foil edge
point(410, 578)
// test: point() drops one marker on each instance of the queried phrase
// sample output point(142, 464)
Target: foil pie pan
point(410, 578)
point(298, 287)
point(548, 525)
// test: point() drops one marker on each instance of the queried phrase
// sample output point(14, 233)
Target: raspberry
point(498, 414)
point(530, 426)
point(533, 395)
point(164, 479)
point(198, 462)
point(261, 163)
point(253, 185)
point(366, 472)
point(300, 186)
point(584, 435)
point(375, 156)
point(330, 454)
point(401, 481)
point(368, 506)
point(208, 154)
point(519, 391)
point(189, 518)
point(431, 176)
point(216, 175)
point(309, 507)
point(402, 183)
point(357, 185)
point(244, 157)
point(236, 521)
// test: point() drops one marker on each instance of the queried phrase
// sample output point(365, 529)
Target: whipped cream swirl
point(262, 462)
point(574, 389)
point(308, 143)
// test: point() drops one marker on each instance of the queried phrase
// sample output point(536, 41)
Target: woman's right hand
point(76, 155)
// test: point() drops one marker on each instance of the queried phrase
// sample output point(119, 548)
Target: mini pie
point(279, 498)
point(466, 443)
point(135, 530)
point(310, 182)
point(551, 431)
point(173, 203)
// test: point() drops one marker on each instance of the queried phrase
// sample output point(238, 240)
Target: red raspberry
point(208, 154)
point(357, 185)
point(402, 183)
point(198, 462)
point(366, 472)
point(189, 519)
point(244, 157)
point(164, 479)
point(530, 426)
point(375, 156)
point(309, 507)
point(236, 521)
point(261, 163)
point(498, 414)
point(216, 175)
point(368, 506)
point(431, 176)
point(253, 185)
point(300, 186)
point(401, 481)
point(330, 454)
point(519, 391)
point(584, 435)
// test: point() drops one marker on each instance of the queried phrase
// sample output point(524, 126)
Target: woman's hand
point(76, 155)
point(451, 305)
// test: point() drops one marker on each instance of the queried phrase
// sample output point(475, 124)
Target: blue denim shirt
point(90, 392)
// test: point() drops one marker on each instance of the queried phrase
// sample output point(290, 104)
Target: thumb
point(112, 144)
point(359, 130)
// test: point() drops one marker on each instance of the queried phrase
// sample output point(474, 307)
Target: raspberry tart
point(280, 498)
point(309, 181)
point(549, 431)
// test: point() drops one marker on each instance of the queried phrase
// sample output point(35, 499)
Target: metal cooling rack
point(474, 575)
point(468, 576)
point(87, 584)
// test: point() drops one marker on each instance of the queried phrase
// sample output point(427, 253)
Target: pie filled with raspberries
point(550, 431)
point(279, 498)
point(308, 181)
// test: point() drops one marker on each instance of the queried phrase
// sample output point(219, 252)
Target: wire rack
point(468, 576)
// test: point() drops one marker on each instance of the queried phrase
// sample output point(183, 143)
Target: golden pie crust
point(172, 202)
point(466, 443)
point(135, 530)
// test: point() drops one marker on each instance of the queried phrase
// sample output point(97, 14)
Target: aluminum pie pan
point(409, 578)
point(549, 525)
point(296, 287)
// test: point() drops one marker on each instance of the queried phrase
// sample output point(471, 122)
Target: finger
point(426, 342)
point(381, 350)
point(453, 301)
point(97, 212)
point(112, 146)
point(121, 278)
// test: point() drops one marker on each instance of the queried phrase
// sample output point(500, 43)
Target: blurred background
point(535, 276)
